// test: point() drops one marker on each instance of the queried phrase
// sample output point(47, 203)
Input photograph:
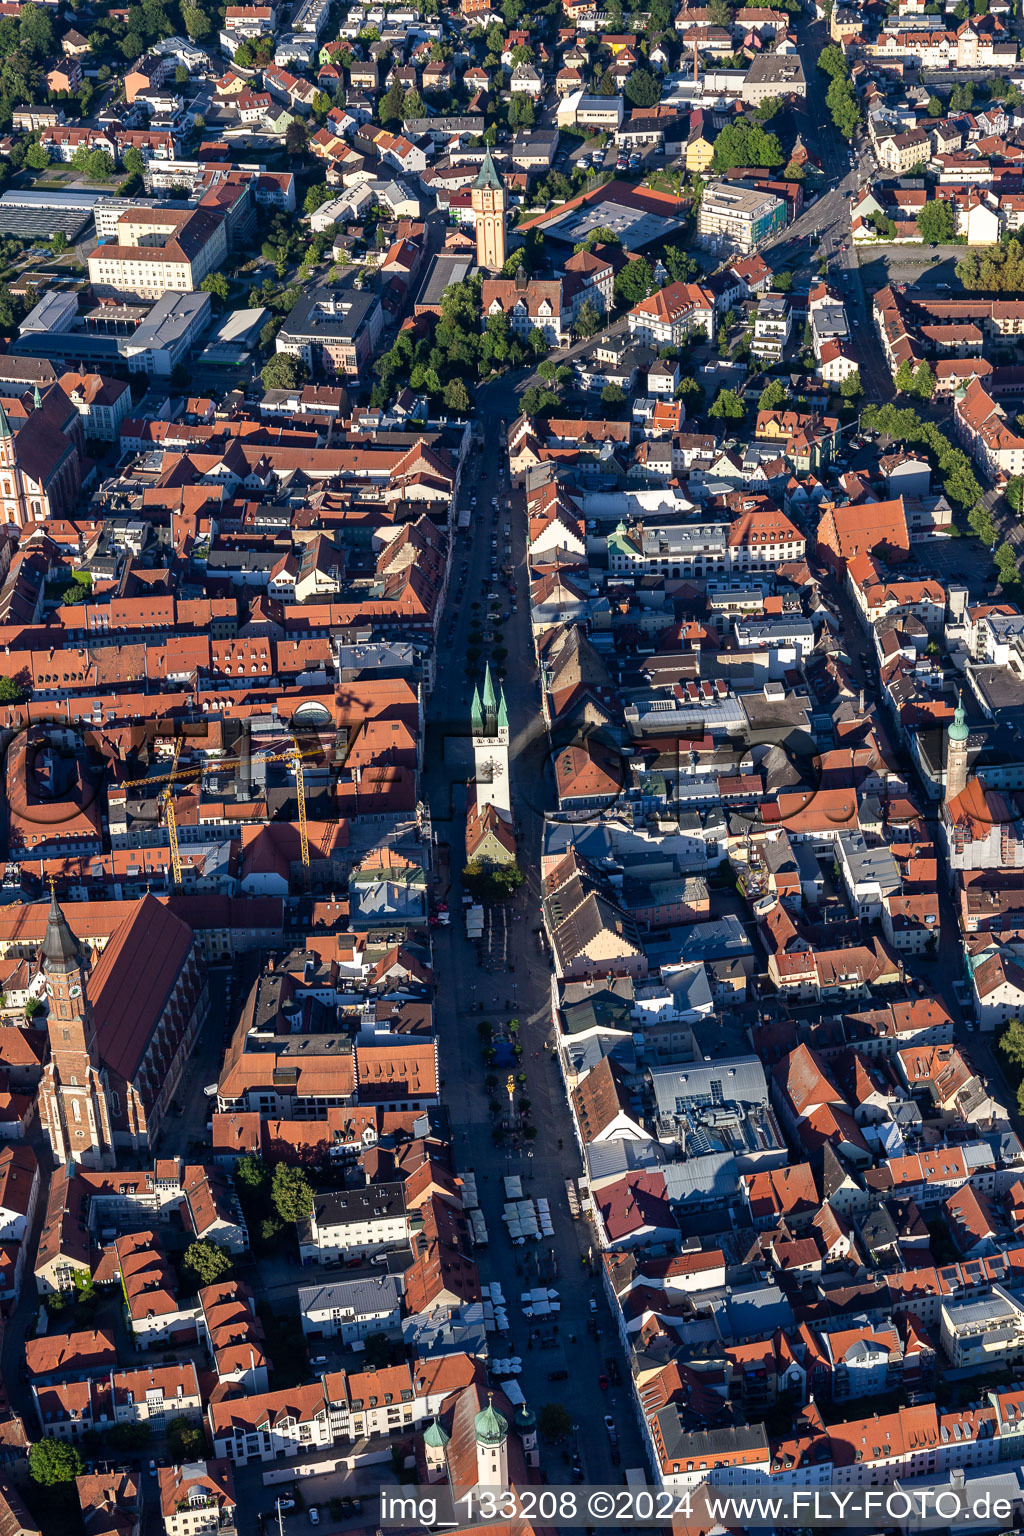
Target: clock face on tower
point(49, 989)
point(75, 991)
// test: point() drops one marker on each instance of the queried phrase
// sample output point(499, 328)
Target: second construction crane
point(294, 756)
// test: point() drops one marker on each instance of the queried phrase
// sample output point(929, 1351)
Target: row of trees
point(840, 98)
point(904, 425)
point(994, 269)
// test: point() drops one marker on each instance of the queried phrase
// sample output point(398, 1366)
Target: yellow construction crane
point(294, 756)
point(167, 798)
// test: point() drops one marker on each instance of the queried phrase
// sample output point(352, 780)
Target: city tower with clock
point(73, 1099)
point(489, 725)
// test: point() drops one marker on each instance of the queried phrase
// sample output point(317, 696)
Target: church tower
point(491, 1447)
point(525, 1422)
point(489, 201)
point(489, 724)
point(72, 1095)
point(956, 753)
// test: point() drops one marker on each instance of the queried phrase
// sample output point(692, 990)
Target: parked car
point(314, 1515)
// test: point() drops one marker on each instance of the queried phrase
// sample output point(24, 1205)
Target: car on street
point(602, 1382)
point(592, 1304)
point(314, 1515)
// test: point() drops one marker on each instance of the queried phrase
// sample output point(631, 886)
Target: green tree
point(296, 138)
point(244, 56)
point(1011, 1042)
point(291, 1193)
point(588, 320)
point(133, 163)
point(185, 1442)
point(728, 406)
point(613, 395)
point(936, 223)
point(393, 102)
point(982, 525)
point(831, 60)
point(11, 692)
point(924, 381)
point(642, 88)
point(554, 1421)
point(935, 107)
point(767, 109)
point(413, 104)
point(59, 242)
point(782, 282)
point(316, 195)
point(520, 111)
point(197, 23)
point(1006, 565)
point(743, 144)
point(851, 387)
point(252, 1174)
point(634, 282)
point(904, 378)
point(53, 1462)
point(679, 264)
point(537, 401)
point(537, 341)
point(456, 397)
point(36, 158)
point(35, 31)
point(218, 286)
point(281, 372)
point(842, 104)
point(1014, 494)
point(205, 1262)
point(772, 396)
point(129, 1437)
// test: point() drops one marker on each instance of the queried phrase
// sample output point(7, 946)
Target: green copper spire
point(5, 426)
point(502, 711)
point(436, 1435)
point(489, 700)
point(491, 1427)
point(488, 176)
point(37, 399)
point(476, 714)
point(958, 730)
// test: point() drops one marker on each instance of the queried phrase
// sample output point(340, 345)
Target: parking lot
point(917, 266)
point(957, 560)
